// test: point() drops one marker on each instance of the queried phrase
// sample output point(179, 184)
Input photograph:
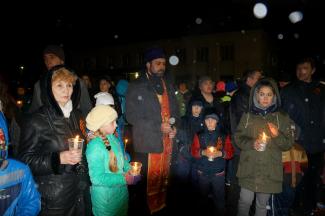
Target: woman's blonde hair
point(64, 75)
point(112, 165)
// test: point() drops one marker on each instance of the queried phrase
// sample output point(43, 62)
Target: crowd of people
point(254, 147)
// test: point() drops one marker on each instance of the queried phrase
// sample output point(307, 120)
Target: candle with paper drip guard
point(135, 168)
point(264, 140)
point(210, 151)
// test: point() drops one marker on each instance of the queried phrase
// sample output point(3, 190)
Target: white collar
point(66, 109)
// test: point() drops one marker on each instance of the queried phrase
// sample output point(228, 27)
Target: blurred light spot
point(198, 20)
point(296, 35)
point(296, 16)
point(260, 10)
point(173, 60)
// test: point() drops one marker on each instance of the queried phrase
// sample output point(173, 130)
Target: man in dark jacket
point(238, 105)
point(54, 57)
point(150, 103)
point(304, 100)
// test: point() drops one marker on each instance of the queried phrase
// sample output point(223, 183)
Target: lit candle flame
point(135, 168)
point(211, 149)
point(264, 137)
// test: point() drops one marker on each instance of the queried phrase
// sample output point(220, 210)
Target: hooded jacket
point(84, 103)
point(43, 137)
point(18, 193)
point(262, 171)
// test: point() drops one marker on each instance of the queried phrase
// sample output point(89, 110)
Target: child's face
point(108, 128)
point(211, 124)
point(196, 110)
point(104, 86)
point(265, 96)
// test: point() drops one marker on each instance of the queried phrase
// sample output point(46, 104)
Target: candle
point(264, 137)
point(19, 103)
point(211, 150)
point(135, 168)
point(125, 142)
point(263, 141)
point(75, 142)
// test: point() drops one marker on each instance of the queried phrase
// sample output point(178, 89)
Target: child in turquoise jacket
point(108, 169)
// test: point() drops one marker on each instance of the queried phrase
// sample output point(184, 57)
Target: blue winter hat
point(231, 86)
point(153, 53)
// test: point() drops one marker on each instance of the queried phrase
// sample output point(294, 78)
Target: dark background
point(27, 29)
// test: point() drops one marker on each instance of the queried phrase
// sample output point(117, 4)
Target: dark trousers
point(138, 193)
point(211, 186)
point(233, 190)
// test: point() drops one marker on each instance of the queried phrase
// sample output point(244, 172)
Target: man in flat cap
point(150, 104)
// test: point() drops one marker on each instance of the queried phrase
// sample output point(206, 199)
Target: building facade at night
point(219, 55)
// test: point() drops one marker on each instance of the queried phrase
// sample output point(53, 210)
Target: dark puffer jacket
point(43, 137)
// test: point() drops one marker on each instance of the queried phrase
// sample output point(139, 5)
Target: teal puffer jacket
point(109, 193)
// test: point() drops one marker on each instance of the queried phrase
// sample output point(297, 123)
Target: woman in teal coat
point(108, 169)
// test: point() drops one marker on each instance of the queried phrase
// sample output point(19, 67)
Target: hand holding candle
point(210, 152)
point(260, 144)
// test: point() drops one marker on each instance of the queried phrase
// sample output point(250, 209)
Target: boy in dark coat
point(210, 155)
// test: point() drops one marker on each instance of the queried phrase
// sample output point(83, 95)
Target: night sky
point(25, 30)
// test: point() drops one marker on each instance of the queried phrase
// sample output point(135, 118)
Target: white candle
point(75, 143)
